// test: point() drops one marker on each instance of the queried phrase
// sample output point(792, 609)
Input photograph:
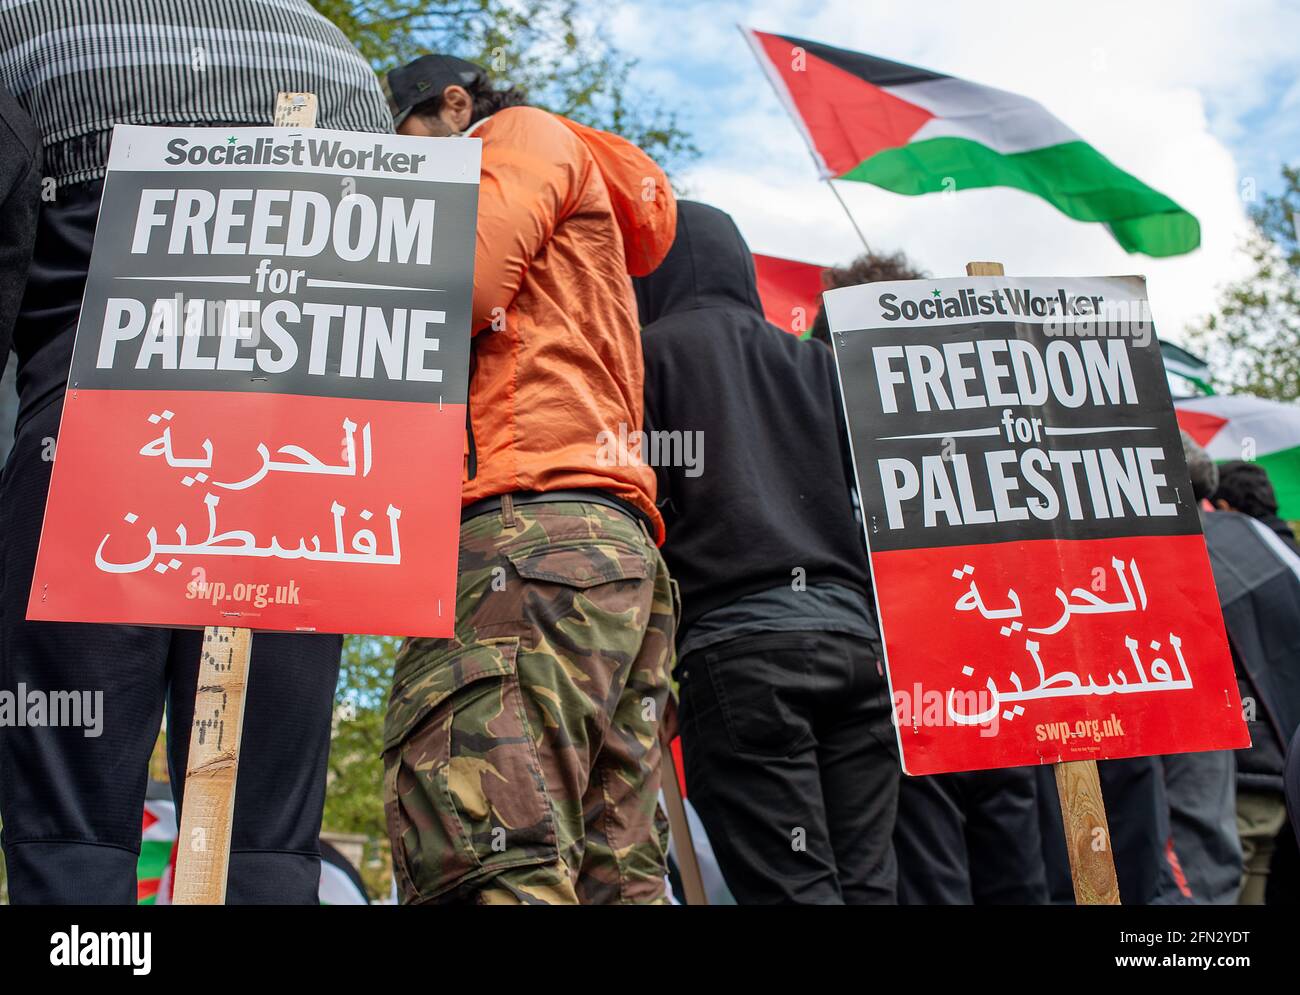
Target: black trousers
point(792, 764)
point(72, 805)
point(970, 839)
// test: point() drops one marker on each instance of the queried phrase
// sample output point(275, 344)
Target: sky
point(1198, 98)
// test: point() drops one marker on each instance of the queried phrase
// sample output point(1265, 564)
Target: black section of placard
point(400, 291)
point(957, 442)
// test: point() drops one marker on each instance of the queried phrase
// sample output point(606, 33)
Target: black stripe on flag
point(877, 71)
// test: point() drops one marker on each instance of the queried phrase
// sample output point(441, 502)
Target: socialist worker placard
point(264, 423)
point(1041, 576)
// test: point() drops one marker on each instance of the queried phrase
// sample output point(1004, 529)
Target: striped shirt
point(78, 67)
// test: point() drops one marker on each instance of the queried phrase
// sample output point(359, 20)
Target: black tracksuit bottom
point(792, 764)
point(71, 805)
point(970, 839)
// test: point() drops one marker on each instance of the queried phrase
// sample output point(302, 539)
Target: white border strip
point(853, 309)
point(137, 148)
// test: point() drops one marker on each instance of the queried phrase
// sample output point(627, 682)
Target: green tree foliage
point(1252, 341)
point(354, 795)
point(555, 50)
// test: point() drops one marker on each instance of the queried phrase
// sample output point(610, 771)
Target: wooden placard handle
point(208, 809)
point(1078, 787)
point(688, 863)
point(207, 813)
point(295, 110)
point(1087, 833)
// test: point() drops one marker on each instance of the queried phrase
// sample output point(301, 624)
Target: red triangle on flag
point(1200, 425)
point(846, 119)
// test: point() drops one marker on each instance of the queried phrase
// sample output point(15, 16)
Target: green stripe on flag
point(1283, 469)
point(1073, 177)
point(154, 856)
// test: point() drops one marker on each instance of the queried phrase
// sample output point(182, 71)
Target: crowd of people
point(726, 598)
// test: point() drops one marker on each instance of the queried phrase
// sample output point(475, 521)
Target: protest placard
point(1043, 588)
point(265, 419)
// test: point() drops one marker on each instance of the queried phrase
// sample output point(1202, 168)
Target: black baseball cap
point(426, 78)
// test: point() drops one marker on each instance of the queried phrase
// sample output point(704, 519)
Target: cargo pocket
point(588, 600)
point(581, 562)
point(464, 794)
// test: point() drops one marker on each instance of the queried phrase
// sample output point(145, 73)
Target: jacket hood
point(646, 223)
point(709, 265)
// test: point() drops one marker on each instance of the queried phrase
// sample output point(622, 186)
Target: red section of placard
point(1123, 617)
point(139, 528)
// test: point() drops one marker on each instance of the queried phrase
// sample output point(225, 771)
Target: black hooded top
point(772, 492)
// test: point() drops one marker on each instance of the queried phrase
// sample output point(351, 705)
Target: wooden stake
point(208, 809)
point(687, 861)
point(1078, 786)
point(295, 110)
point(207, 813)
point(1087, 834)
point(985, 269)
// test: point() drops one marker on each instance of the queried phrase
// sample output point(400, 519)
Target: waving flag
point(1234, 427)
point(1189, 375)
point(914, 131)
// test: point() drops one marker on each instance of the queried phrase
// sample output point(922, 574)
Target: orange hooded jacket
point(565, 214)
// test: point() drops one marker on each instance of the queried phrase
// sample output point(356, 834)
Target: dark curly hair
point(867, 268)
point(1246, 488)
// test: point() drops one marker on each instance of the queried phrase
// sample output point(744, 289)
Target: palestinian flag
point(914, 131)
point(1189, 376)
point(791, 292)
point(157, 852)
point(1251, 428)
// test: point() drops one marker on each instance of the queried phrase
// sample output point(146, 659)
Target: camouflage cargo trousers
point(521, 756)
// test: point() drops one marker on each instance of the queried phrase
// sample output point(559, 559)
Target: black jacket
point(20, 199)
point(1282, 528)
point(1259, 593)
point(773, 492)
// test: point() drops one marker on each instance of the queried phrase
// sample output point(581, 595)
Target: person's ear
point(1222, 505)
point(457, 108)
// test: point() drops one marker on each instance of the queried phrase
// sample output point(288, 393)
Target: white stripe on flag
point(1269, 426)
point(1005, 122)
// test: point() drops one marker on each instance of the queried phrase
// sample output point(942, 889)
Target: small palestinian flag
point(914, 131)
point(1233, 427)
point(157, 853)
point(791, 292)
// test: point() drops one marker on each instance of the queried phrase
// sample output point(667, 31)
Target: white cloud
point(1160, 88)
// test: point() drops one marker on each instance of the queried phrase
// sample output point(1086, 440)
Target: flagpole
point(852, 220)
point(783, 95)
